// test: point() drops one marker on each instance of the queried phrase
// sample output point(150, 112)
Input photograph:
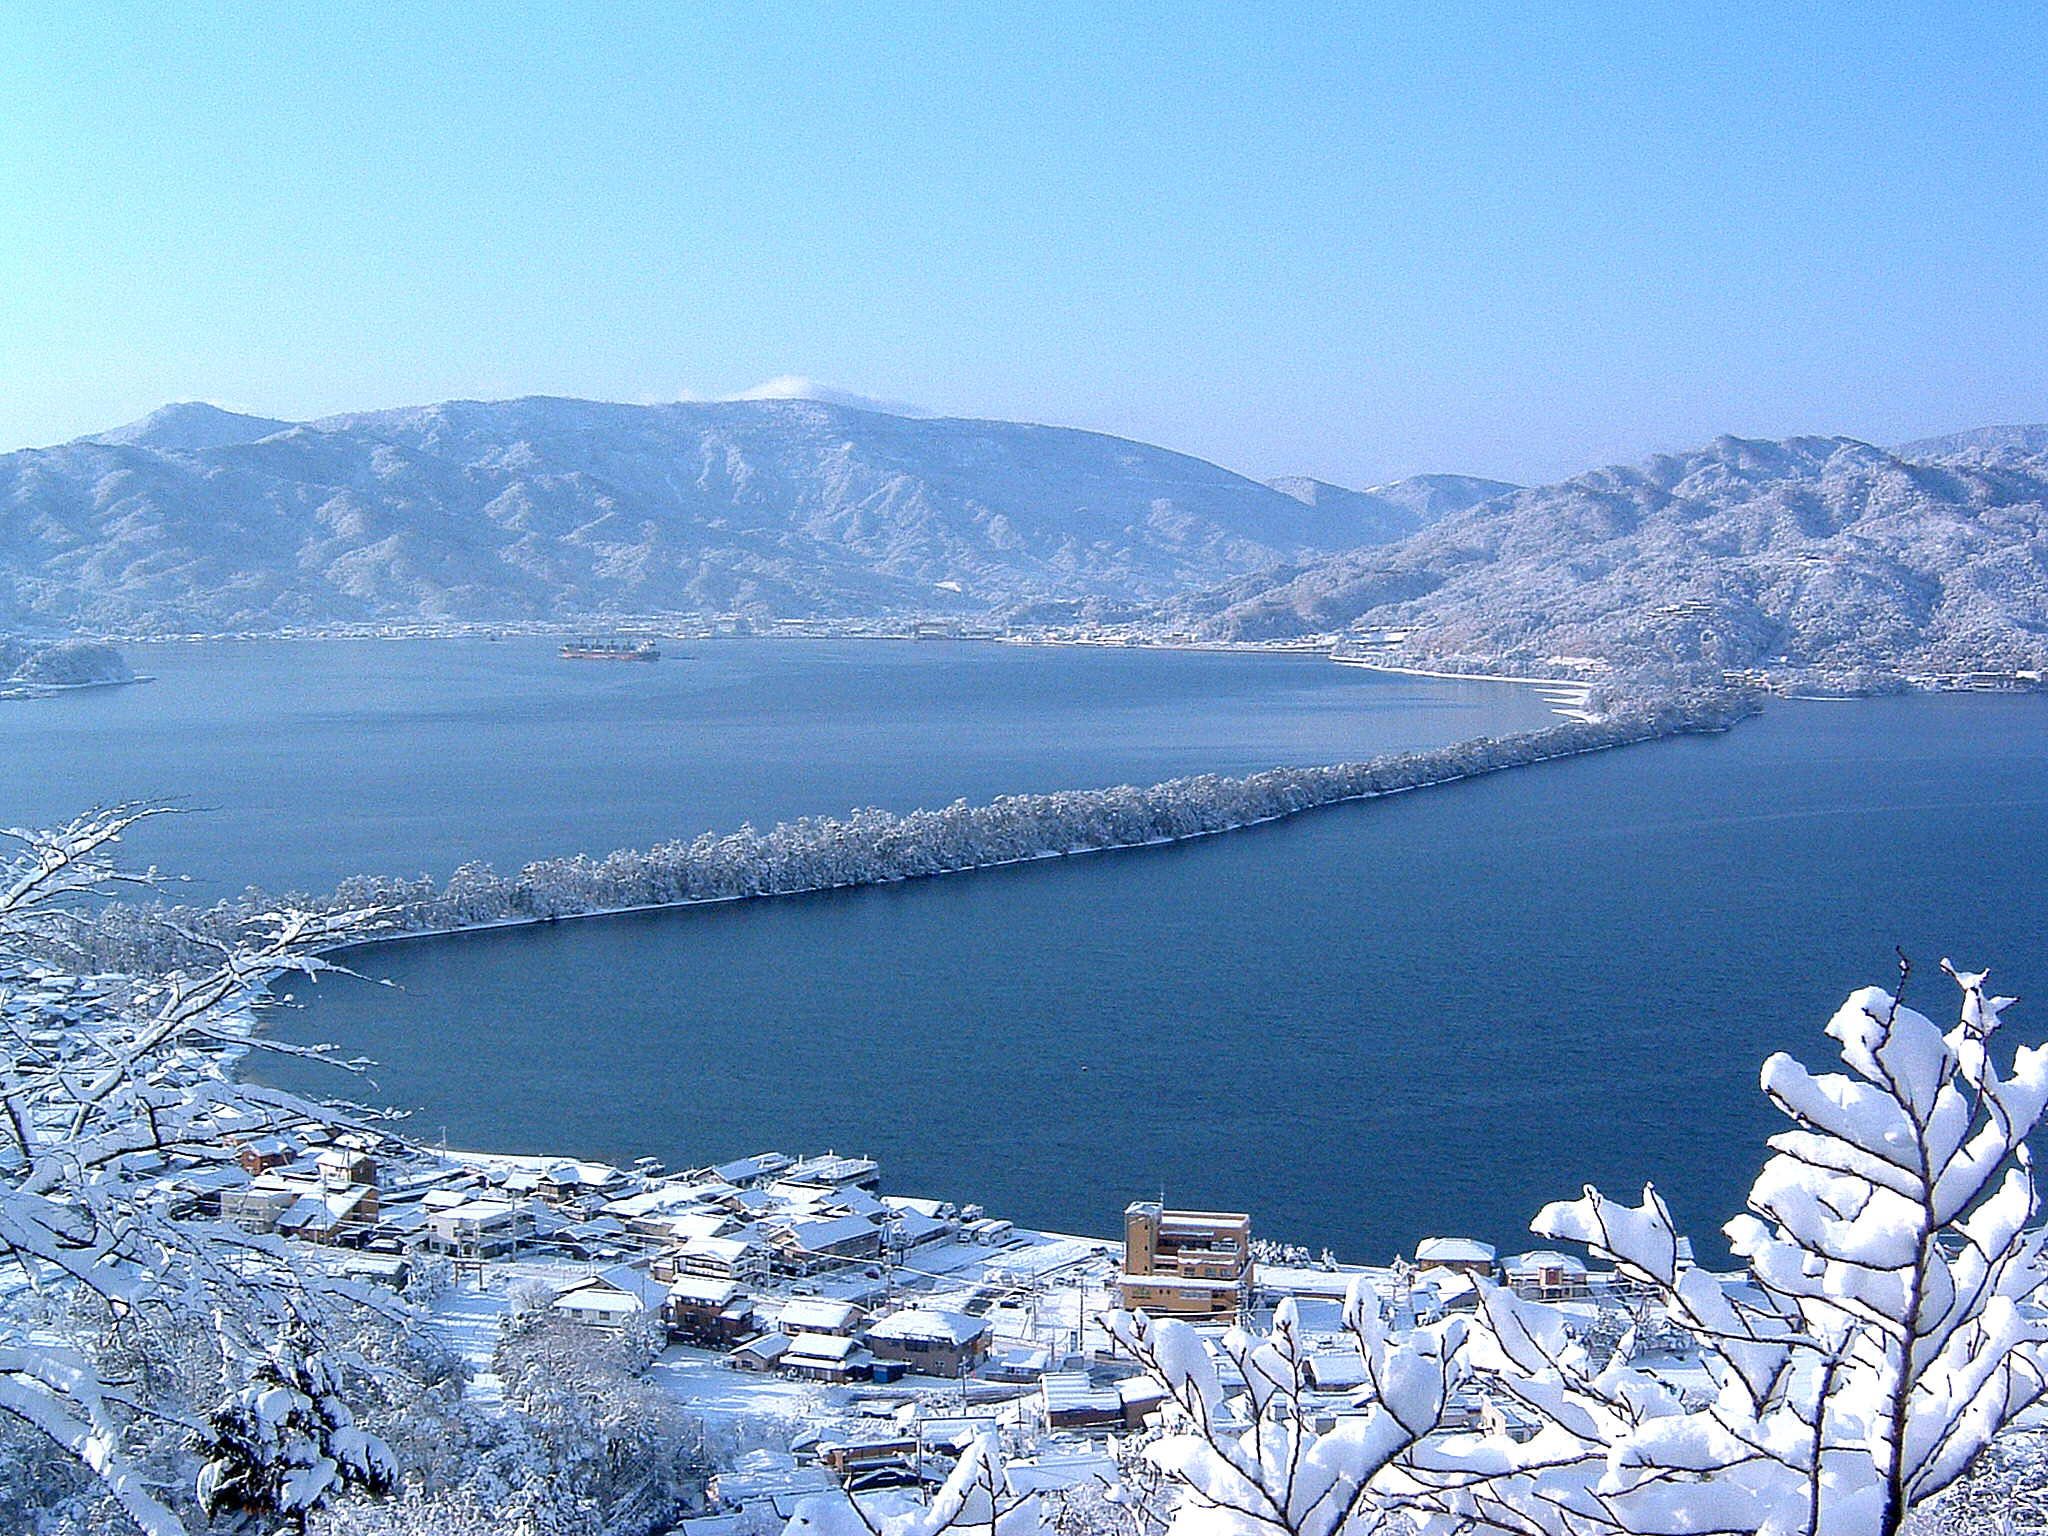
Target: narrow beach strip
point(876, 847)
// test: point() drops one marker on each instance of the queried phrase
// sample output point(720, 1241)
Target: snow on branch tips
point(103, 1282)
point(1883, 1333)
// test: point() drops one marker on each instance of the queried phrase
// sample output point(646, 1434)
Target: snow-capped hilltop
point(554, 509)
point(1824, 551)
point(792, 386)
point(190, 425)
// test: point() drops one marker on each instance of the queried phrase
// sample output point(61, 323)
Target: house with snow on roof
point(763, 1352)
point(1336, 1370)
point(825, 1357)
point(748, 1172)
point(817, 1314)
point(712, 1313)
point(740, 1257)
point(1069, 1400)
point(263, 1153)
point(912, 1229)
point(330, 1216)
point(572, 1180)
point(589, 1238)
point(937, 1210)
point(341, 1167)
point(1441, 1290)
point(1466, 1253)
point(679, 1227)
point(256, 1206)
point(612, 1298)
point(476, 1228)
point(1544, 1274)
point(929, 1341)
point(806, 1245)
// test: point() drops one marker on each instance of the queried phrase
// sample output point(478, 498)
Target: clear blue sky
point(1352, 241)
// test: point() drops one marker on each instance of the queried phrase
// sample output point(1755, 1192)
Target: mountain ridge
point(1807, 551)
point(1398, 508)
point(1822, 552)
point(189, 425)
point(543, 508)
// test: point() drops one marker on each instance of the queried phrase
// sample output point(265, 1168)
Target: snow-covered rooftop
point(922, 1323)
point(1453, 1250)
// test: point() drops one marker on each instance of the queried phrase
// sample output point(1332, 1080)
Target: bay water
point(1368, 1024)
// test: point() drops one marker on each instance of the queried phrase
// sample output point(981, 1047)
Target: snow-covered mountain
point(2020, 442)
point(201, 519)
point(1399, 508)
point(1823, 550)
point(1826, 551)
point(188, 426)
point(794, 386)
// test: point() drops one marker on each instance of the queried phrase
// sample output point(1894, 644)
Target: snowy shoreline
point(14, 690)
point(1463, 677)
point(658, 628)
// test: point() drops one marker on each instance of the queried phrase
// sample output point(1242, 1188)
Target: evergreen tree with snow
point(285, 1443)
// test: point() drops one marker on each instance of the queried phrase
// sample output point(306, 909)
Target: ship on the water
point(611, 650)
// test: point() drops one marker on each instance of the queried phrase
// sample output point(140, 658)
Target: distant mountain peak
point(1392, 511)
point(190, 425)
point(793, 386)
point(1437, 496)
point(1306, 489)
point(2020, 441)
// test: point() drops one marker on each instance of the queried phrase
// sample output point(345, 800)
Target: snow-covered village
point(1030, 770)
point(780, 1342)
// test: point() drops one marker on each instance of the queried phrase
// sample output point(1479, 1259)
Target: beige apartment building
point(1186, 1263)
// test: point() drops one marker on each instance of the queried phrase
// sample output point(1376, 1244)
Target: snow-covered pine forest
point(871, 846)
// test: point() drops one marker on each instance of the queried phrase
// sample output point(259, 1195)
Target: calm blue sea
point(1365, 1025)
point(305, 762)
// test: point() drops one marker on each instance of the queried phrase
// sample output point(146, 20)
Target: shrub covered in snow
point(284, 1443)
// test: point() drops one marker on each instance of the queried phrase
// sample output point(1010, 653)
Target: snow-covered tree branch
point(1884, 1333)
point(1891, 1262)
point(1261, 1467)
point(975, 1498)
point(102, 1080)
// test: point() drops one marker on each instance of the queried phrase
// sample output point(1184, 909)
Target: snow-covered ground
point(715, 1391)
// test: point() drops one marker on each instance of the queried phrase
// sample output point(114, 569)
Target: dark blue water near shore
point(1429, 1013)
